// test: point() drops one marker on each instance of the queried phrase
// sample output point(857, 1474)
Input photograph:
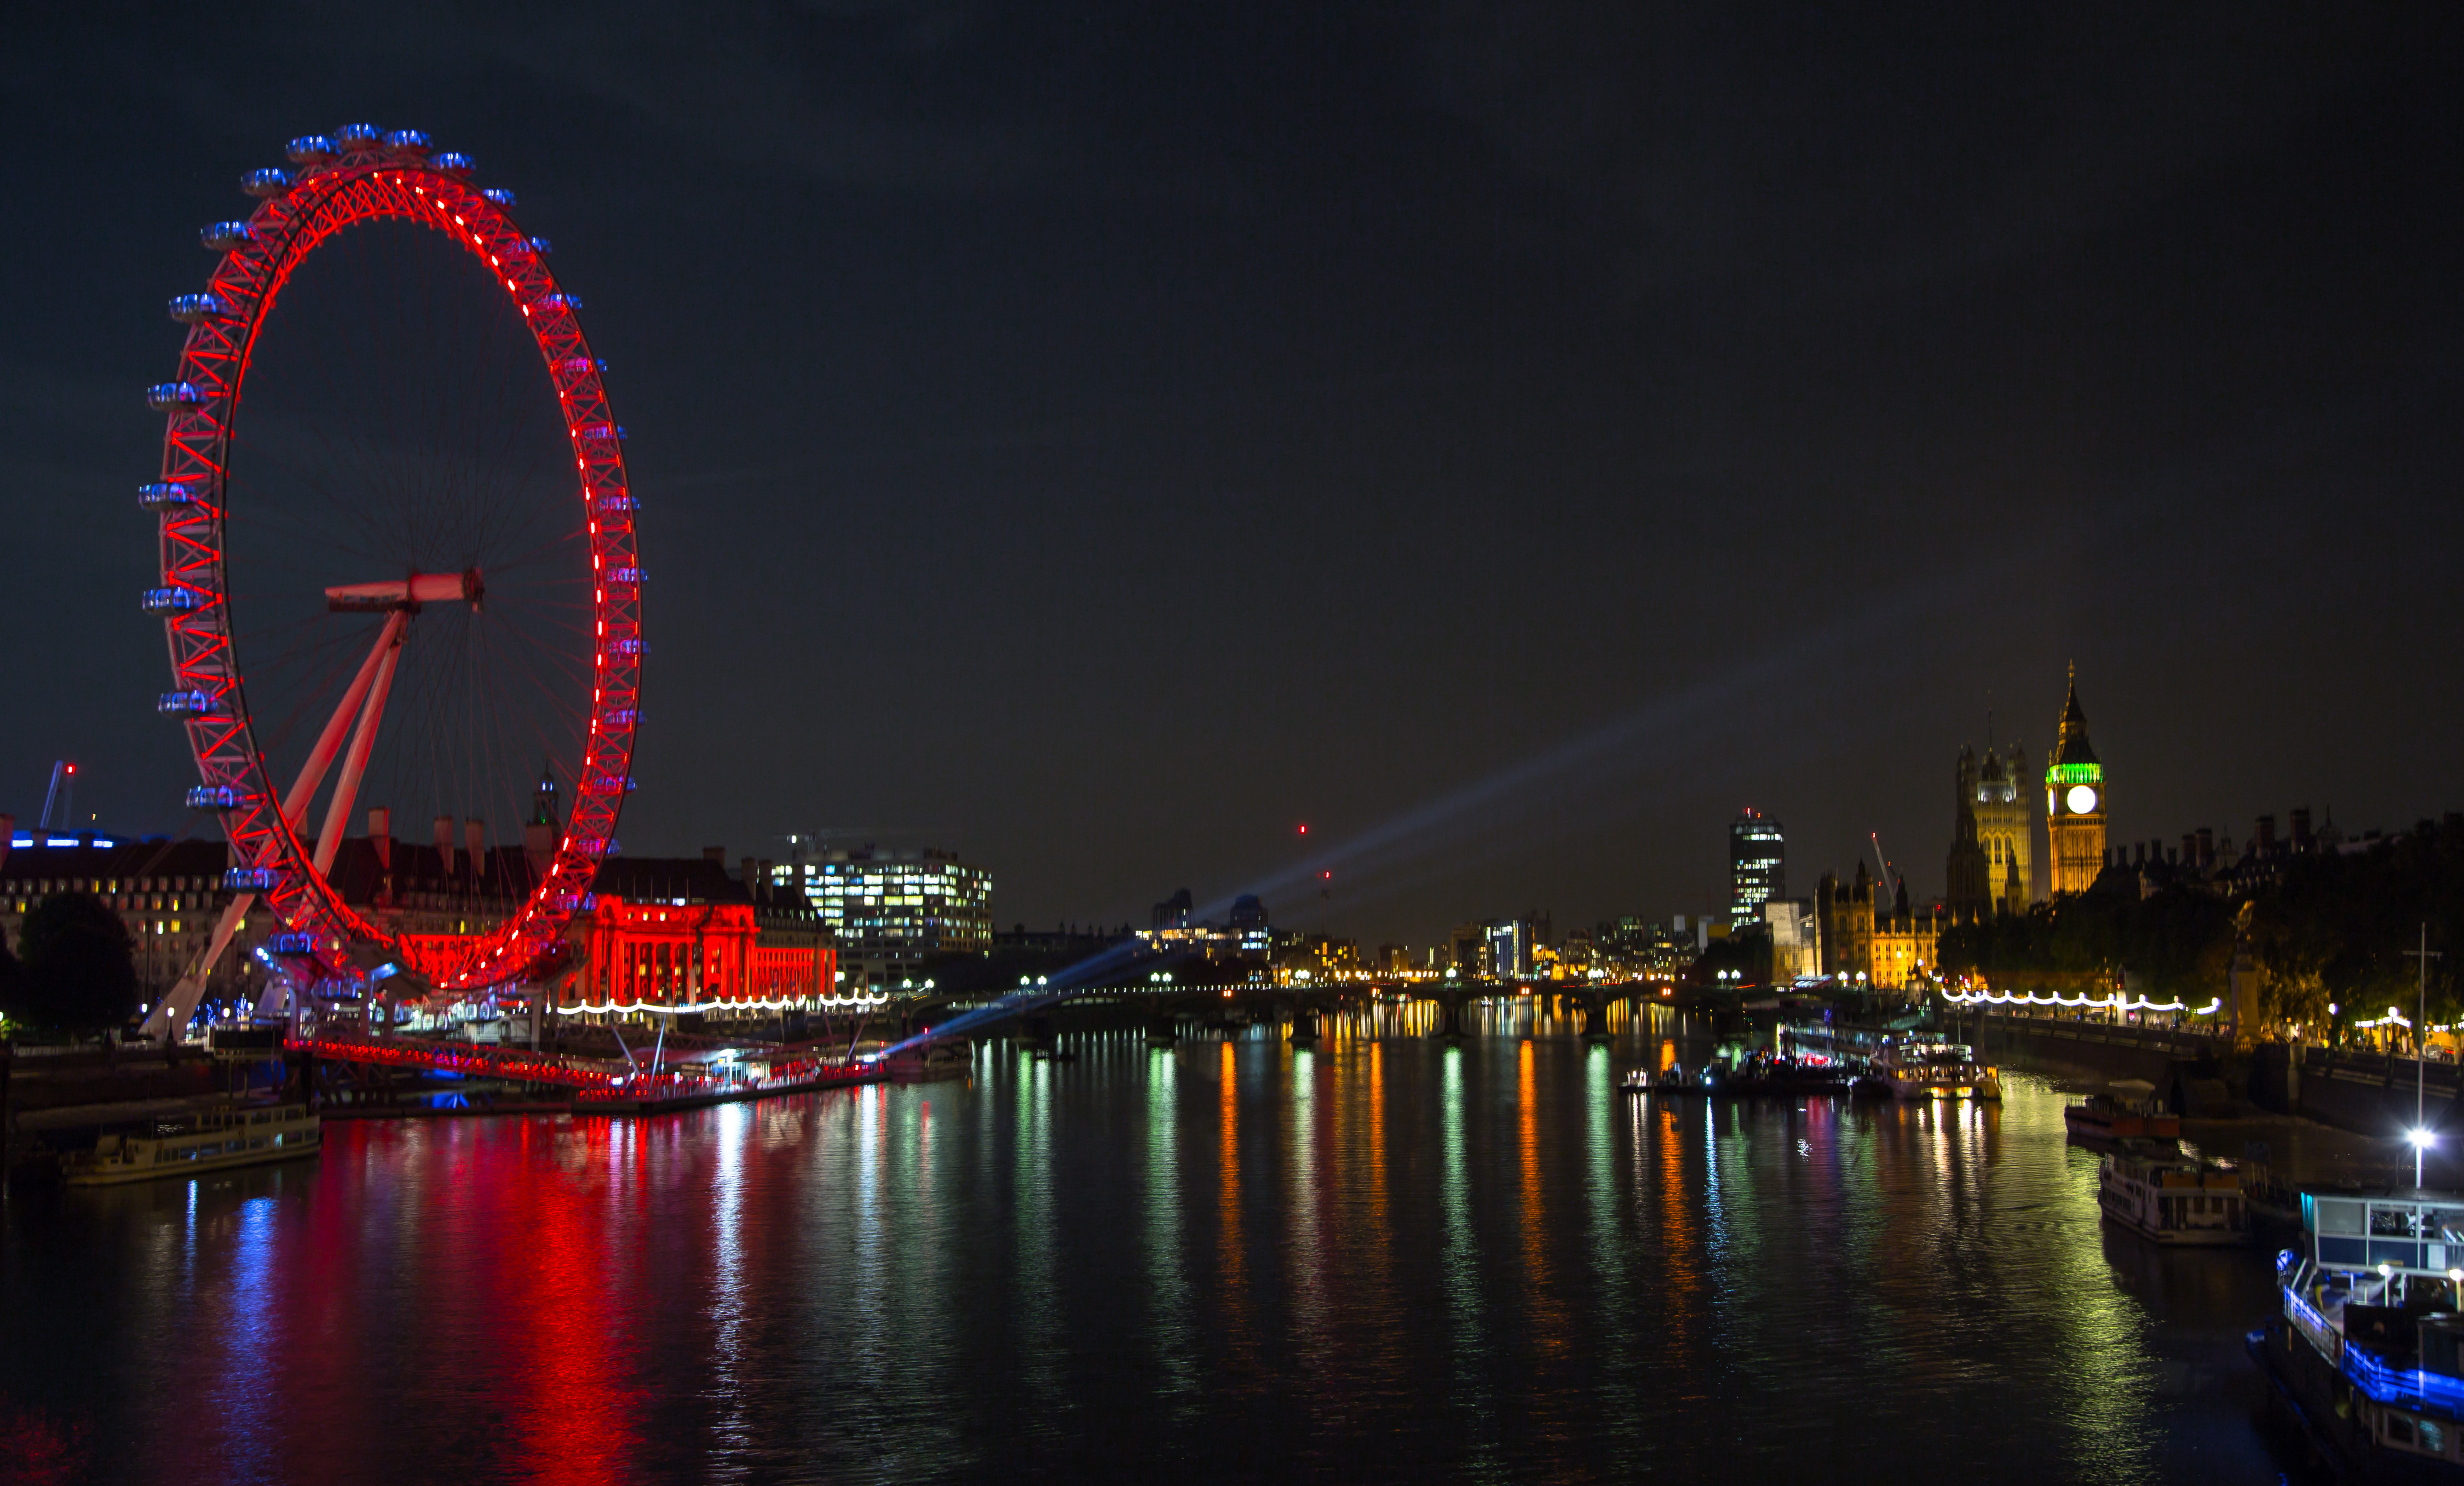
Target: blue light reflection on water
point(1374, 1260)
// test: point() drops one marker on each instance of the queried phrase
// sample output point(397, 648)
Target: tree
point(77, 970)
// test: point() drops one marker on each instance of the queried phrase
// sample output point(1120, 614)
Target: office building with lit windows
point(167, 893)
point(1757, 867)
point(892, 911)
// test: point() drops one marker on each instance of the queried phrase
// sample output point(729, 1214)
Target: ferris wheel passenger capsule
point(171, 396)
point(252, 879)
point(553, 303)
point(224, 236)
point(500, 196)
point(407, 142)
point(190, 704)
point(213, 797)
point(358, 136)
point(543, 247)
point(176, 599)
point(190, 308)
point(451, 162)
point(167, 494)
point(272, 181)
point(309, 150)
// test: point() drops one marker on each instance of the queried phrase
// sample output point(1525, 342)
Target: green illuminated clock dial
point(2082, 800)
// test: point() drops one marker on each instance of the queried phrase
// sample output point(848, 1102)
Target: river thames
point(1383, 1259)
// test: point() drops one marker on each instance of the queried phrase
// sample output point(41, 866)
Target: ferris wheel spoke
point(525, 661)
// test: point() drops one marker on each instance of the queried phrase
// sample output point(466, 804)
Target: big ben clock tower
point(2075, 802)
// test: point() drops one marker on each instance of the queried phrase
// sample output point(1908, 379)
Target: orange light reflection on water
point(1548, 1316)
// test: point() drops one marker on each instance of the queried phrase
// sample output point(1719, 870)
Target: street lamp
point(2422, 1139)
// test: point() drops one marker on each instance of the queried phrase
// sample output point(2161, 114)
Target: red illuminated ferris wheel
point(398, 553)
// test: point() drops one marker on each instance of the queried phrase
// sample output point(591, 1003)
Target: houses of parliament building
point(1993, 830)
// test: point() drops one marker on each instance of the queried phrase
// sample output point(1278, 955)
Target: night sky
point(1508, 439)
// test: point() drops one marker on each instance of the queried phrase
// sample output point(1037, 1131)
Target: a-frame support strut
point(364, 699)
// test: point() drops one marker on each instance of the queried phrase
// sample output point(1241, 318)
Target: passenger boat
point(2126, 1110)
point(1679, 1079)
point(2367, 1352)
point(1765, 1077)
point(2167, 1198)
point(1918, 1068)
point(214, 1140)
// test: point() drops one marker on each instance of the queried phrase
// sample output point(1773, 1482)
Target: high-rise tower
point(2075, 802)
point(1757, 866)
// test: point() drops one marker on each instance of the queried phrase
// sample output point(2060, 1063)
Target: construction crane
point(1876, 837)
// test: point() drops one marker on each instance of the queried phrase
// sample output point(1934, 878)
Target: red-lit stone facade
point(663, 953)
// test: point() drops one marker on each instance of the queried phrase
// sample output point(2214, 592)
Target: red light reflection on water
point(574, 1421)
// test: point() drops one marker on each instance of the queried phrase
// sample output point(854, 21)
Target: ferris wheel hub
point(406, 594)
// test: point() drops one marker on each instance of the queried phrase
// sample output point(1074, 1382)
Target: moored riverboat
point(2126, 1110)
point(1917, 1067)
point(2367, 1352)
point(1675, 1079)
point(2167, 1198)
point(213, 1140)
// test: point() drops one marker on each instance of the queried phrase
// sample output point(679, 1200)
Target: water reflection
point(1379, 1258)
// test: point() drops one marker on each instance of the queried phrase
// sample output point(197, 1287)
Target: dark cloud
point(1104, 437)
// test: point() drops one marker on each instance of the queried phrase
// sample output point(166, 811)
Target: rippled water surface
point(1383, 1259)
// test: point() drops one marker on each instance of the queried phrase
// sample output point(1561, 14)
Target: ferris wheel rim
point(370, 178)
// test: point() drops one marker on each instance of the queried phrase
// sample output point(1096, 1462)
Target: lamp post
point(2422, 1139)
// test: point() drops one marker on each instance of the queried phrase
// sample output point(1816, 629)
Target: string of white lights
point(782, 1004)
point(2118, 1001)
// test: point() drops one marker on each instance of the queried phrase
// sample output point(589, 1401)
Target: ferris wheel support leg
point(164, 1023)
point(329, 742)
point(338, 812)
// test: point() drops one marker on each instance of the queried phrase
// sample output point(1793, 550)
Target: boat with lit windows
point(2366, 1354)
point(2151, 1188)
point(1781, 1077)
point(1676, 1078)
point(1918, 1067)
point(2126, 1110)
point(212, 1140)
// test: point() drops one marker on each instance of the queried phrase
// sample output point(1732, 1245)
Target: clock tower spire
point(2075, 801)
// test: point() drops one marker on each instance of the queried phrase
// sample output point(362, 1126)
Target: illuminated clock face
point(2082, 800)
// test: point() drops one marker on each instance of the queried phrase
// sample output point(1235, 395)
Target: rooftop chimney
point(2267, 835)
point(714, 854)
point(474, 840)
point(444, 846)
point(381, 841)
point(2302, 840)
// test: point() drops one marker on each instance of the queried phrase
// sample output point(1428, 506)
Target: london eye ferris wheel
point(397, 551)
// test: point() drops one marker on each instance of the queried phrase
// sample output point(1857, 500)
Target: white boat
point(2366, 1352)
point(2161, 1195)
point(215, 1140)
point(1925, 1070)
point(1678, 1079)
